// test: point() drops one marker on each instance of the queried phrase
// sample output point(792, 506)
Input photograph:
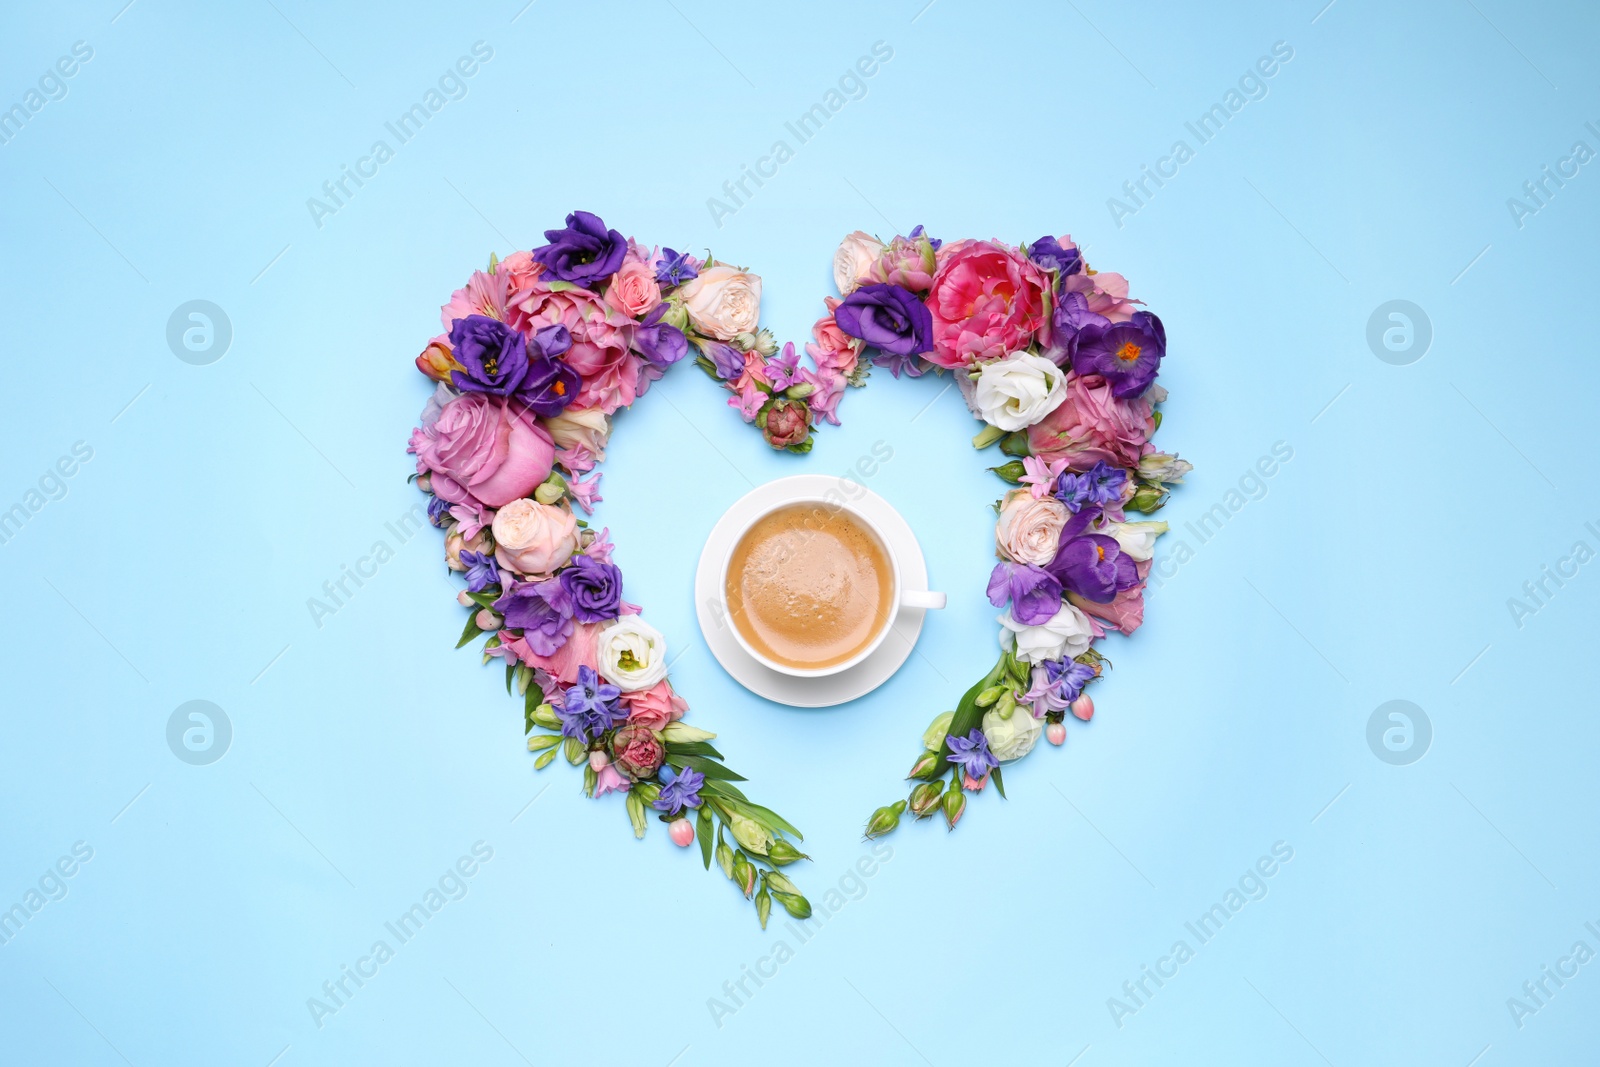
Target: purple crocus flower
point(541, 610)
point(495, 355)
point(482, 570)
point(682, 790)
point(1094, 567)
point(662, 343)
point(584, 252)
point(1126, 354)
point(726, 359)
point(676, 268)
point(1072, 315)
point(594, 588)
point(550, 383)
point(971, 754)
point(590, 708)
point(1034, 592)
point(888, 317)
point(1048, 253)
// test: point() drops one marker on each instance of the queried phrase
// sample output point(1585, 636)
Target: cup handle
point(913, 598)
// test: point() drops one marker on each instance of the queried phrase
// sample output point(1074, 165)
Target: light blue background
point(367, 755)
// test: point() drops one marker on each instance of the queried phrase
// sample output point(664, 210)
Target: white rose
point(1067, 634)
point(1137, 539)
point(856, 255)
point(588, 427)
point(723, 301)
point(1011, 738)
point(632, 654)
point(1016, 392)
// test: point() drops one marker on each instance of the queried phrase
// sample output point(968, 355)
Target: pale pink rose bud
point(1083, 707)
point(682, 831)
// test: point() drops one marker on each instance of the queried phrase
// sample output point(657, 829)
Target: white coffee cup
point(899, 597)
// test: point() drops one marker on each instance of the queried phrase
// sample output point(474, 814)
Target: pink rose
point(656, 706)
point(483, 451)
point(987, 301)
point(634, 291)
point(522, 274)
point(1125, 613)
point(1091, 425)
point(533, 538)
point(599, 352)
point(1029, 529)
point(830, 346)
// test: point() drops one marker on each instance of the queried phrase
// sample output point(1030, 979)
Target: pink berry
point(682, 831)
point(597, 761)
point(1056, 733)
point(1083, 707)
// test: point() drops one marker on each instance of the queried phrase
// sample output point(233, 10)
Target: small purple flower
point(1126, 354)
point(495, 355)
point(1094, 567)
point(971, 754)
point(541, 610)
point(1067, 677)
point(912, 365)
point(550, 383)
point(1073, 490)
point(917, 231)
point(888, 317)
point(482, 570)
point(662, 343)
point(1034, 592)
point(1099, 485)
point(1048, 253)
point(676, 268)
point(584, 252)
point(681, 790)
point(438, 509)
point(726, 359)
point(784, 370)
point(594, 589)
point(590, 708)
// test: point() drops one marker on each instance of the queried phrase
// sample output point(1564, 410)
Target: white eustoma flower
point(1137, 539)
point(632, 654)
point(1015, 392)
point(1066, 634)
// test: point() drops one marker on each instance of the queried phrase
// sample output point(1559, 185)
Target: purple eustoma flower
point(1048, 253)
point(541, 610)
point(662, 343)
point(681, 790)
point(584, 252)
point(1094, 567)
point(887, 317)
point(971, 754)
point(1034, 592)
point(590, 708)
point(1126, 354)
point(676, 268)
point(593, 588)
point(494, 355)
point(482, 570)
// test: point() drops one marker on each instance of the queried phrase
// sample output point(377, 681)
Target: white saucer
point(762, 680)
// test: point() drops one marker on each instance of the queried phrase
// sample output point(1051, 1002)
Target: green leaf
point(530, 703)
point(774, 821)
point(702, 830)
point(483, 600)
point(692, 748)
point(715, 788)
point(968, 715)
point(708, 767)
point(999, 782)
point(471, 631)
point(511, 670)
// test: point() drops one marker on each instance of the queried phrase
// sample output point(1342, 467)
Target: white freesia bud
point(1137, 539)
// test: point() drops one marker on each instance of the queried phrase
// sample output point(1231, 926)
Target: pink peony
point(656, 706)
point(599, 352)
point(987, 301)
point(1091, 425)
point(483, 451)
point(634, 290)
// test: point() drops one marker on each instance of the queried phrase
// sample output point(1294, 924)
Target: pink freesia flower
point(472, 519)
point(656, 706)
point(610, 780)
point(987, 301)
point(1041, 474)
point(748, 399)
point(586, 493)
point(577, 459)
point(830, 389)
point(600, 548)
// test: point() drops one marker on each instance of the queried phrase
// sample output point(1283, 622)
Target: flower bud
point(1016, 444)
point(782, 853)
point(545, 716)
point(681, 731)
point(987, 436)
point(1006, 704)
point(933, 736)
point(676, 314)
point(648, 791)
point(751, 834)
point(682, 832)
point(1083, 707)
point(765, 343)
point(763, 906)
point(636, 814)
point(437, 362)
point(1055, 733)
point(925, 797)
point(796, 905)
point(552, 489)
point(885, 820)
point(955, 805)
point(540, 742)
point(927, 766)
point(744, 875)
point(425, 482)
point(464, 600)
point(598, 761)
point(990, 695)
point(1011, 472)
point(487, 621)
point(725, 859)
point(1147, 499)
point(800, 391)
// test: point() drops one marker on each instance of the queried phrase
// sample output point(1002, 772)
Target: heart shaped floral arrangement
point(544, 347)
